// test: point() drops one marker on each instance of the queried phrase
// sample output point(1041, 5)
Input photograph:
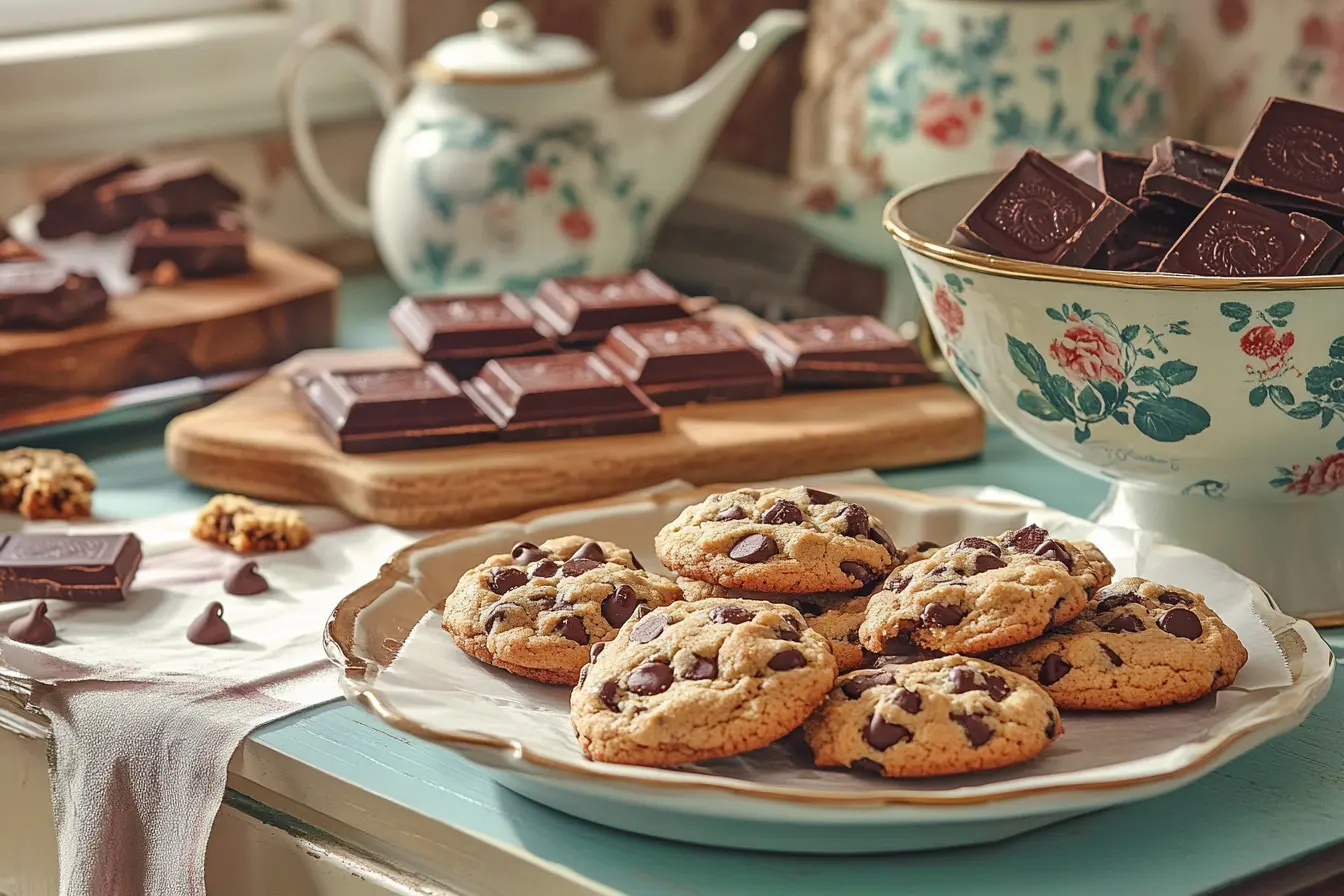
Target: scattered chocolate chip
point(504, 579)
point(496, 613)
point(702, 669)
point(1028, 538)
point(209, 628)
point(941, 614)
point(1055, 609)
point(728, 514)
point(648, 679)
point(526, 552)
point(620, 605)
point(977, 732)
point(817, 496)
point(575, 567)
point(882, 734)
point(1050, 729)
point(781, 512)
point(609, 693)
point(979, 544)
point(997, 687)
point(647, 629)
point(753, 549)
point(1111, 655)
point(727, 614)
point(590, 550)
point(857, 571)
point(864, 764)
point(571, 628)
point(596, 650)
point(1111, 601)
point(1053, 550)
point(907, 700)
point(856, 520)
point(245, 580)
point(1053, 669)
point(854, 688)
point(786, 660)
point(1124, 623)
point(35, 628)
point(1180, 622)
point(963, 680)
point(1171, 597)
point(899, 583)
point(879, 535)
point(986, 562)
point(927, 546)
point(543, 569)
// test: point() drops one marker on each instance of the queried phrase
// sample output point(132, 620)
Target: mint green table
point(1278, 803)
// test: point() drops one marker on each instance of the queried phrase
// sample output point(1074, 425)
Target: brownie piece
point(38, 295)
point(177, 191)
point(71, 205)
point(42, 484)
point(215, 246)
point(241, 525)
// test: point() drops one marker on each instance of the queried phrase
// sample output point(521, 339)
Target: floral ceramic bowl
point(1215, 406)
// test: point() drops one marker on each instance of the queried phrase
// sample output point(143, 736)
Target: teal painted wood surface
point(1278, 802)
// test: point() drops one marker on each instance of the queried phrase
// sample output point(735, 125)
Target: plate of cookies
point(824, 668)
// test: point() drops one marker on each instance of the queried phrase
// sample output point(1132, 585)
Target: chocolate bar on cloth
point(677, 362)
point(38, 295)
point(71, 205)
point(581, 310)
point(1184, 174)
point(463, 332)
point(1234, 237)
point(560, 396)
point(847, 351)
point(213, 246)
point(88, 568)
point(1293, 160)
point(1040, 212)
point(393, 409)
point(177, 191)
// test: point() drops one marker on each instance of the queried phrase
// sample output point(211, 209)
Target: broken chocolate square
point(1183, 173)
point(215, 246)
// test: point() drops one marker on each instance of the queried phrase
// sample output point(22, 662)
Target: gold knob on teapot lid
point(505, 48)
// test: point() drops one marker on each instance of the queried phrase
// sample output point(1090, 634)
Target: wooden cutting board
point(196, 328)
point(258, 442)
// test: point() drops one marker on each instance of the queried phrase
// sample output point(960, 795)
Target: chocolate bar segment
point(38, 295)
point(1040, 212)
point(677, 362)
point(71, 205)
point(463, 332)
point(1120, 174)
point(393, 409)
point(1183, 173)
point(581, 310)
point(1330, 243)
point(179, 191)
point(1236, 238)
point(214, 247)
point(1293, 159)
point(560, 396)
point(851, 351)
point(88, 568)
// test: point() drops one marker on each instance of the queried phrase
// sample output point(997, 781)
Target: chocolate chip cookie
point(980, 594)
point(794, 541)
point(1137, 645)
point(700, 680)
point(938, 717)
point(536, 610)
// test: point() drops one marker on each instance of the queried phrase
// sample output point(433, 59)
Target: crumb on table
point(43, 484)
point(243, 525)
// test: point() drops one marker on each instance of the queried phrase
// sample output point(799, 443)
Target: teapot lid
point(506, 49)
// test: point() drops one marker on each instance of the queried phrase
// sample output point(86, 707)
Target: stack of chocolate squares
point(37, 295)
point(1272, 210)
point(587, 356)
point(183, 216)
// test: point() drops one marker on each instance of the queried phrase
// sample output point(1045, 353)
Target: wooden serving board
point(195, 328)
point(259, 442)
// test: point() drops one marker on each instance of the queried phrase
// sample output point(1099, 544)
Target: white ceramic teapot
point(510, 160)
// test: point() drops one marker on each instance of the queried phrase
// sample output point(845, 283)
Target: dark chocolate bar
point(38, 295)
point(560, 396)
point(1120, 175)
point(393, 409)
point(682, 361)
point(854, 351)
point(463, 332)
point(1293, 159)
point(1183, 173)
point(90, 568)
point(1143, 241)
point(1236, 238)
point(1330, 243)
point(71, 205)
point(581, 310)
point(1040, 212)
point(215, 247)
point(175, 191)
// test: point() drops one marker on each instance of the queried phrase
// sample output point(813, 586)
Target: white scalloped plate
point(398, 664)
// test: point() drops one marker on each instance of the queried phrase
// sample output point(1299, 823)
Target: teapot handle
point(389, 86)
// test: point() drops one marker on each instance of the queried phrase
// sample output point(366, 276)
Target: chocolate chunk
point(1236, 238)
point(678, 362)
point(571, 628)
point(1050, 729)
point(590, 550)
point(927, 546)
point(986, 562)
point(596, 650)
point(1112, 601)
point(559, 396)
point(879, 535)
point(87, 568)
point(979, 544)
point(543, 569)
point(578, 566)
point(634, 561)
point(1053, 669)
point(582, 310)
point(1293, 159)
point(1053, 550)
point(1040, 212)
point(1121, 174)
point(175, 190)
point(855, 687)
point(393, 409)
point(900, 645)
point(1171, 597)
point(782, 512)
point(212, 247)
point(847, 351)
point(858, 571)
point(702, 669)
point(1028, 538)
point(977, 732)
point(38, 295)
point(997, 687)
point(70, 206)
point(899, 583)
point(787, 659)
point(728, 614)
point(942, 615)
point(1141, 242)
point(1111, 655)
point(504, 579)
point(34, 628)
point(856, 520)
point(907, 700)
point(1180, 622)
point(620, 605)
point(648, 629)
point(648, 679)
point(1124, 623)
point(209, 628)
point(753, 549)
point(882, 734)
point(964, 680)
point(788, 634)
point(1184, 173)
point(609, 693)
point(463, 332)
point(731, 513)
point(245, 580)
point(496, 613)
point(864, 764)
point(807, 608)
point(817, 496)
point(526, 552)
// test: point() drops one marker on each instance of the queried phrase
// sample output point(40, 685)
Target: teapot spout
point(674, 132)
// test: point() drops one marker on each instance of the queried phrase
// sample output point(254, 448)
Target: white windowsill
point(106, 90)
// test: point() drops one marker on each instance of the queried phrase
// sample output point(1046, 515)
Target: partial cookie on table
point(536, 610)
point(42, 484)
point(778, 540)
point(1137, 645)
point(701, 680)
point(243, 525)
point(936, 717)
point(981, 594)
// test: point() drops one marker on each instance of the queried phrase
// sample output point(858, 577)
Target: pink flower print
point(948, 311)
point(947, 119)
point(1320, 478)
point(1088, 355)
